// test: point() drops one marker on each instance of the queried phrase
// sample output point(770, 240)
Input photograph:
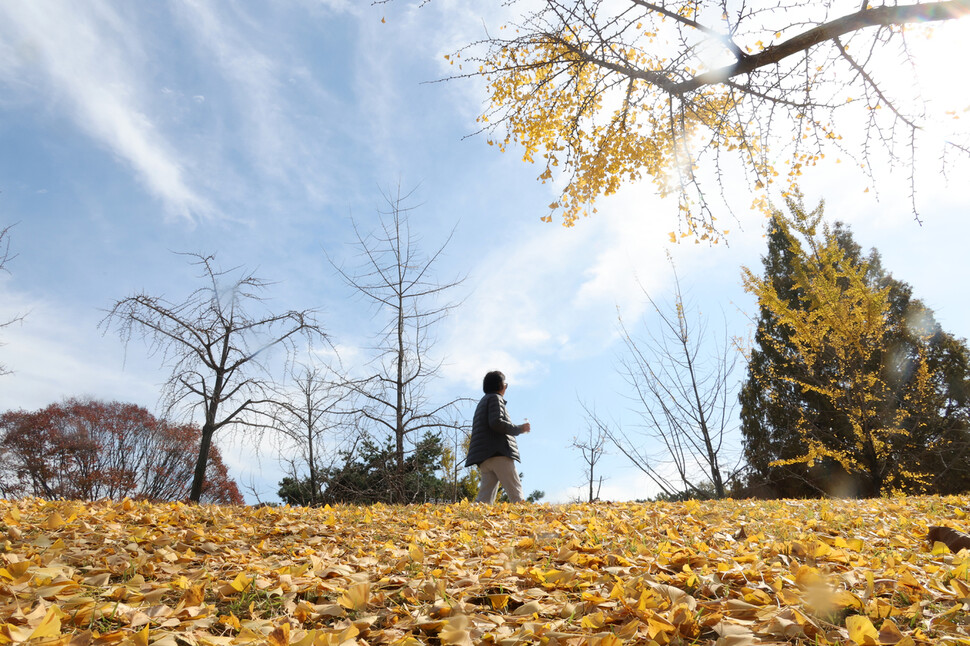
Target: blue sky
point(256, 131)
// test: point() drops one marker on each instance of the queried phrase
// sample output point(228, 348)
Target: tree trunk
point(705, 432)
point(199, 478)
point(309, 439)
point(399, 410)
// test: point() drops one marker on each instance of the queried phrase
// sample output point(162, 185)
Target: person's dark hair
point(493, 382)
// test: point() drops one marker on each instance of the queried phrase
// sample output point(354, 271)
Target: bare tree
point(313, 420)
point(5, 257)
point(601, 93)
point(684, 391)
point(397, 277)
point(457, 437)
point(592, 447)
point(220, 353)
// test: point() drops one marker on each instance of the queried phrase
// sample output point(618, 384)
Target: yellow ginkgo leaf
point(593, 621)
point(54, 521)
point(628, 630)
point(845, 599)
point(193, 596)
point(242, 581)
point(609, 639)
point(355, 597)
point(12, 516)
point(498, 601)
point(230, 620)
point(657, 625)
point(50, 625)
point(416, 553)
point(141, 637)
point(861, 630)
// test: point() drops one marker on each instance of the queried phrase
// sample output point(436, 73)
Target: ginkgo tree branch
point(605, 94)
point(883, 16)
point(747, 63)
point(680, 378)
point(871, 83)
point(398, 278)
point(673, 15)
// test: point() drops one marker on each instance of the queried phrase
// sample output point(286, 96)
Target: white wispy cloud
point(255, 77)
point(549, 294)
point(427, 32)
point(54, 354)
point(86, 63)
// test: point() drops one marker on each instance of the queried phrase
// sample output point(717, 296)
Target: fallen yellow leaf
point(861, 630)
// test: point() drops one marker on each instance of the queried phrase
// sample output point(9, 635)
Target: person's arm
point(498, 418)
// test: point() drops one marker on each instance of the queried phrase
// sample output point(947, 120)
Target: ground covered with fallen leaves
point(728, 573)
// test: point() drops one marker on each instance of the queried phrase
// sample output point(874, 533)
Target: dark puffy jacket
point(493, 432)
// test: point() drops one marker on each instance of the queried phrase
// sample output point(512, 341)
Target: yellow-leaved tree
point(604, 93)
point(835, 325)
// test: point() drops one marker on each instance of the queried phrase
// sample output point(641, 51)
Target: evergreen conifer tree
point(892, 414)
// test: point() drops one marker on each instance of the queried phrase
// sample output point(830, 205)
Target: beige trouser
point(495, 470)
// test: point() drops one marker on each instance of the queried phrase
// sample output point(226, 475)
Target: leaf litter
point(726, 573)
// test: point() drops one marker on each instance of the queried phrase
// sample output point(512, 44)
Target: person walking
point(493, 447)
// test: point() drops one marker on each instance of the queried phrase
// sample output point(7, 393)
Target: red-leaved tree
point(88, 450)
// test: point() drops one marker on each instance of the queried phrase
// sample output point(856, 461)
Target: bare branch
point(214, 346)
point(684, 394)
point(5, 257)
point(398, 278)
point(667, 90)
point(883, 16)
